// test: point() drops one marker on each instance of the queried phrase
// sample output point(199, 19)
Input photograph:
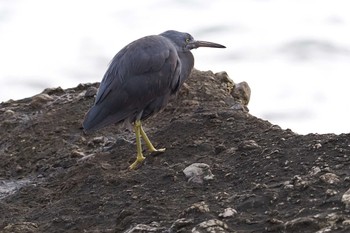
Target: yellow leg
point(139, 156)
point(148, 142)
point(141, 133)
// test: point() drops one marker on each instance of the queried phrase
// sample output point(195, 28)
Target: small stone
point(41, 99)
point(288, 186)
point(242, 93)
point(346, 222)
point(228, 212)
point(346, 199)
point(106, 166)
point(21, 227)
point(90, 92)
point(152, 227)
point(299, 182)
point(330, 178)
point(295, 225)
point(185, 90)
point(190, 103)
point(231, 150)
point(80, 95)
point(54, 91)
point(212, 225)
point(9, 113)
point(77, 154)
point(331, 192)
point(85, 158)
point(275, 221)
point(197, 172)
point(180, 223)
point(248, 145)
point(200, 207)
point(238, 106)
point(19, 168)
point(101, 140)
point(226, 81)
point(314, 171)
point(317, 146)
point(223, 76)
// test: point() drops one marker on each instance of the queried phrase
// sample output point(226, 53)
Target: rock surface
point(54, 178)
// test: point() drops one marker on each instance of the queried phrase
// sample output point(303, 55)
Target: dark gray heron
point(140, 80)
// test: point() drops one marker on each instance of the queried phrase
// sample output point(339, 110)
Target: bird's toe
point(158, 151)
point(137, 162)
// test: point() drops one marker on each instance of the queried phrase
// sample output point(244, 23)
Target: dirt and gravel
point(257, 177)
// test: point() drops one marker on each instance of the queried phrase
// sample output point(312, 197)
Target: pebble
point(21, 227)
point(330, 178)
point(242, 93)
point(239, 107)
point(211, 226)
point(77, 154)
point(346, 199)
point(226, 81)
point(288, 185)
point(152, 227)
point(99, 141)
point(85, 158)
point(300, 182)
point(315, 170)
point(299, 223)
point(248, 145)
point(9, 113)
point(224, 77)
point(228, 212)
point(41, 99)
point(90, 92)
point(19, 168)
point(201, 207)
point(331, 192)
point(55, 90)
point(317, 146)
point(190, 103)
point(346, 222)
point(198, 172)
point(179, 223)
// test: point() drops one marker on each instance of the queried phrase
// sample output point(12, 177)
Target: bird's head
point(185, 42)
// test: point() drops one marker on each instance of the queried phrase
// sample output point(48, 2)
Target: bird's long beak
point(198, 43)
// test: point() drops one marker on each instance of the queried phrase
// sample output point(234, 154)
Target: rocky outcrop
point(224, 170)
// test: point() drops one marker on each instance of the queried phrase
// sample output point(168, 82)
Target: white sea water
point(295, 54)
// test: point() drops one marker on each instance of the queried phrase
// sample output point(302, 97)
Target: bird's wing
point(151, 60)
point(142, 71)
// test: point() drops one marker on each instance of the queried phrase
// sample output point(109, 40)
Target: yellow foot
point(157, 151)
point(137, 162)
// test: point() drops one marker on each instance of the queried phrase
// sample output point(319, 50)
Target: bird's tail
point(93, 119)
point(99, 116)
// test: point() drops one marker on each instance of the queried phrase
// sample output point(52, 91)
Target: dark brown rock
point(65, 181)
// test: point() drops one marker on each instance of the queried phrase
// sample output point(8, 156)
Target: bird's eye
point(188, 40)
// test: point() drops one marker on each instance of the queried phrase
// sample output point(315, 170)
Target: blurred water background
point(295, 54)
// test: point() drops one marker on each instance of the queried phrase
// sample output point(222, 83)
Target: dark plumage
point(141, 78)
